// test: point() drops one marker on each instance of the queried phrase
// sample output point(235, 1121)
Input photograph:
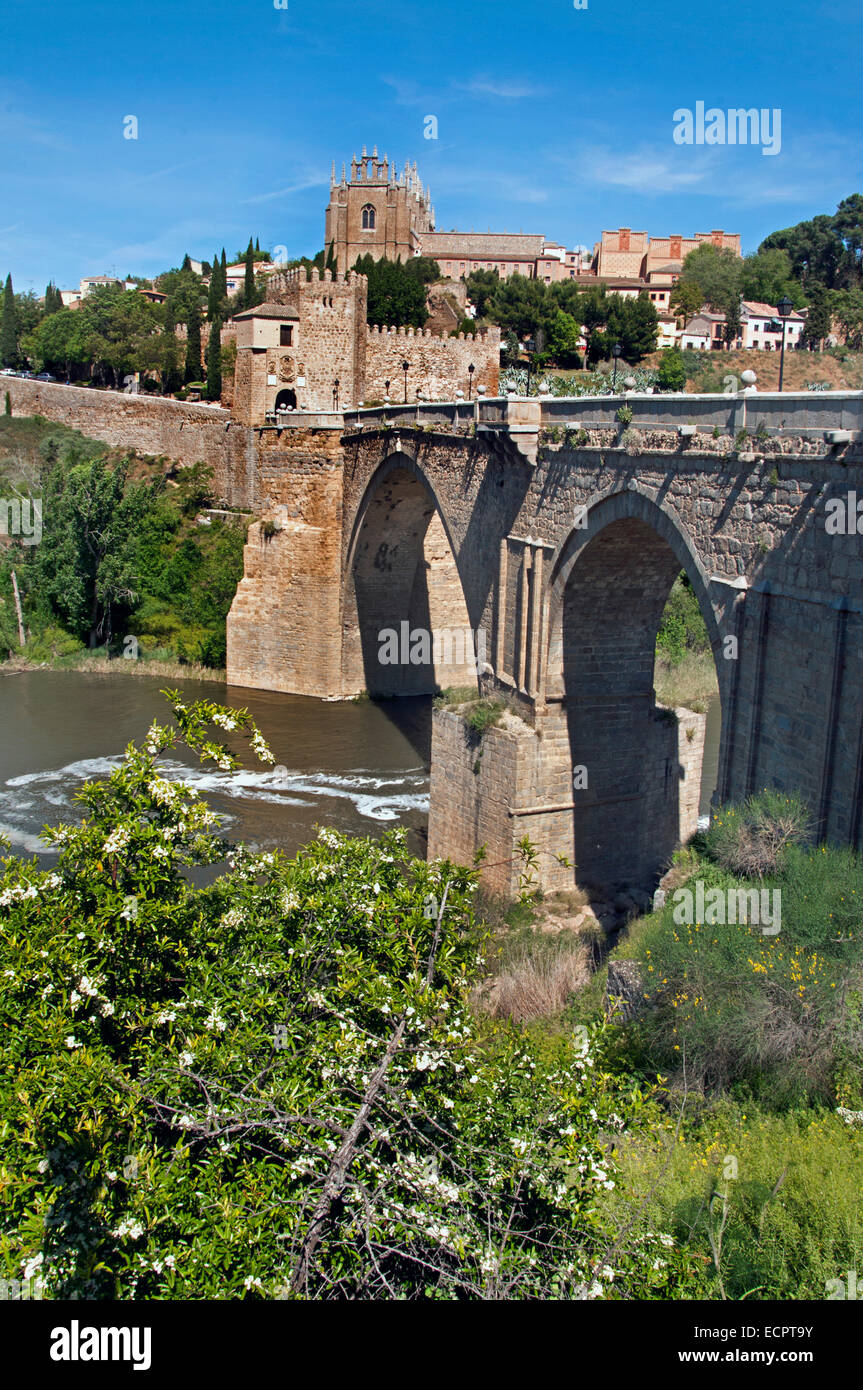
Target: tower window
point(368, 218)
point(286, 335)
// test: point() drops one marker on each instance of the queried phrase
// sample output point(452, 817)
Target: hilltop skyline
point(565, 132)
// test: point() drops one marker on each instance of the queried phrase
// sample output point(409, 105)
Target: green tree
point(214, 362)
point(848, 311)
point(817, 252)
point(53, 300)
point(482, 286)
point(425, 269)
point(395, 297)
point(686, 299)
point(563, 341)
point(249, 296)
point(84, 563)
point(216, 291)
point(819, 318)
point(523, 305)
point(768, 275)
point(9, 328)
point(671, 372)
point(192, 370)
point(171, 375)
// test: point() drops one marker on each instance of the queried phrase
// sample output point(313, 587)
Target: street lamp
point(615, 352)
point(470, 371)
point(783, 309)
point(386, 392)
point(336, 394)
point(406, 369)
point(526, 348)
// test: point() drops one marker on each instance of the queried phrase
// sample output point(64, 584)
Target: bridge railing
point(448, 413)
point(800, 412)
point(796, 412)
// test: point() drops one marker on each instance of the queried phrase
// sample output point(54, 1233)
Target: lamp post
point(526, 347)
point(615, 352)
point(406, 369)
point(386, 392)
point(470, 371)
point(336, 394)
point(783, 309)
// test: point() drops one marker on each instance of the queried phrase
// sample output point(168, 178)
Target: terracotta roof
point(765, 311)
point(268, 311)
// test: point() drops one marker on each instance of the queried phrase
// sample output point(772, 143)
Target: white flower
point(130, 1228)
point(116, 841)
point(72, 1042)
point(186, 1059)
point(32, 1265)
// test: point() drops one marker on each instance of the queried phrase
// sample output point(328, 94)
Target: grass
point(690, 683)
point(98, 663)
point(770, 1203)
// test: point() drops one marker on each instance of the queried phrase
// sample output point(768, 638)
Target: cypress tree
point(332, 260)
point(170, 370)
point(257, 244)
point(215, 296)
point(249, 285)
point(187, 264)
point(193, 346)
point(214, 361)
point(8, 327)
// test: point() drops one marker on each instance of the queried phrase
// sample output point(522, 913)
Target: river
point(359, 767)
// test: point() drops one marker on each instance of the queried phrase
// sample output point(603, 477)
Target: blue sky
point(550, 119)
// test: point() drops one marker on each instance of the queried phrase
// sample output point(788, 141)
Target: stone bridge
point(550, 533)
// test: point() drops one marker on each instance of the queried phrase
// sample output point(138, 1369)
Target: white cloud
point(502, 89)
point(314, 182)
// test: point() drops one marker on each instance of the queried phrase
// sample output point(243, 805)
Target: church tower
point(377, 212)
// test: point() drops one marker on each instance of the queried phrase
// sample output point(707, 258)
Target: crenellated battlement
point(482, 334)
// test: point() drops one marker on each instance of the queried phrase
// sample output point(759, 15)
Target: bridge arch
point(633, 782)
point(406, 627)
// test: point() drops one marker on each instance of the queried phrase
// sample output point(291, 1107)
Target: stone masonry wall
point(151, 425)
point(438, 366)
point(284, 627)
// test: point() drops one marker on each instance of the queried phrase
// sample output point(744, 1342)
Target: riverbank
point(97, 664)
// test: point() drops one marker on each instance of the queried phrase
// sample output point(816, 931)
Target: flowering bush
point(271, 1085)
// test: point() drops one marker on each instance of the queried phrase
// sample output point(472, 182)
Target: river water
point(361, 768)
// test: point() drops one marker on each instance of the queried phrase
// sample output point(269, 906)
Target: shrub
point(624, 415)
point(671, 372)
point(748, 840)
point(484, 715)
point(778, 1015)
point(270, 1085)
